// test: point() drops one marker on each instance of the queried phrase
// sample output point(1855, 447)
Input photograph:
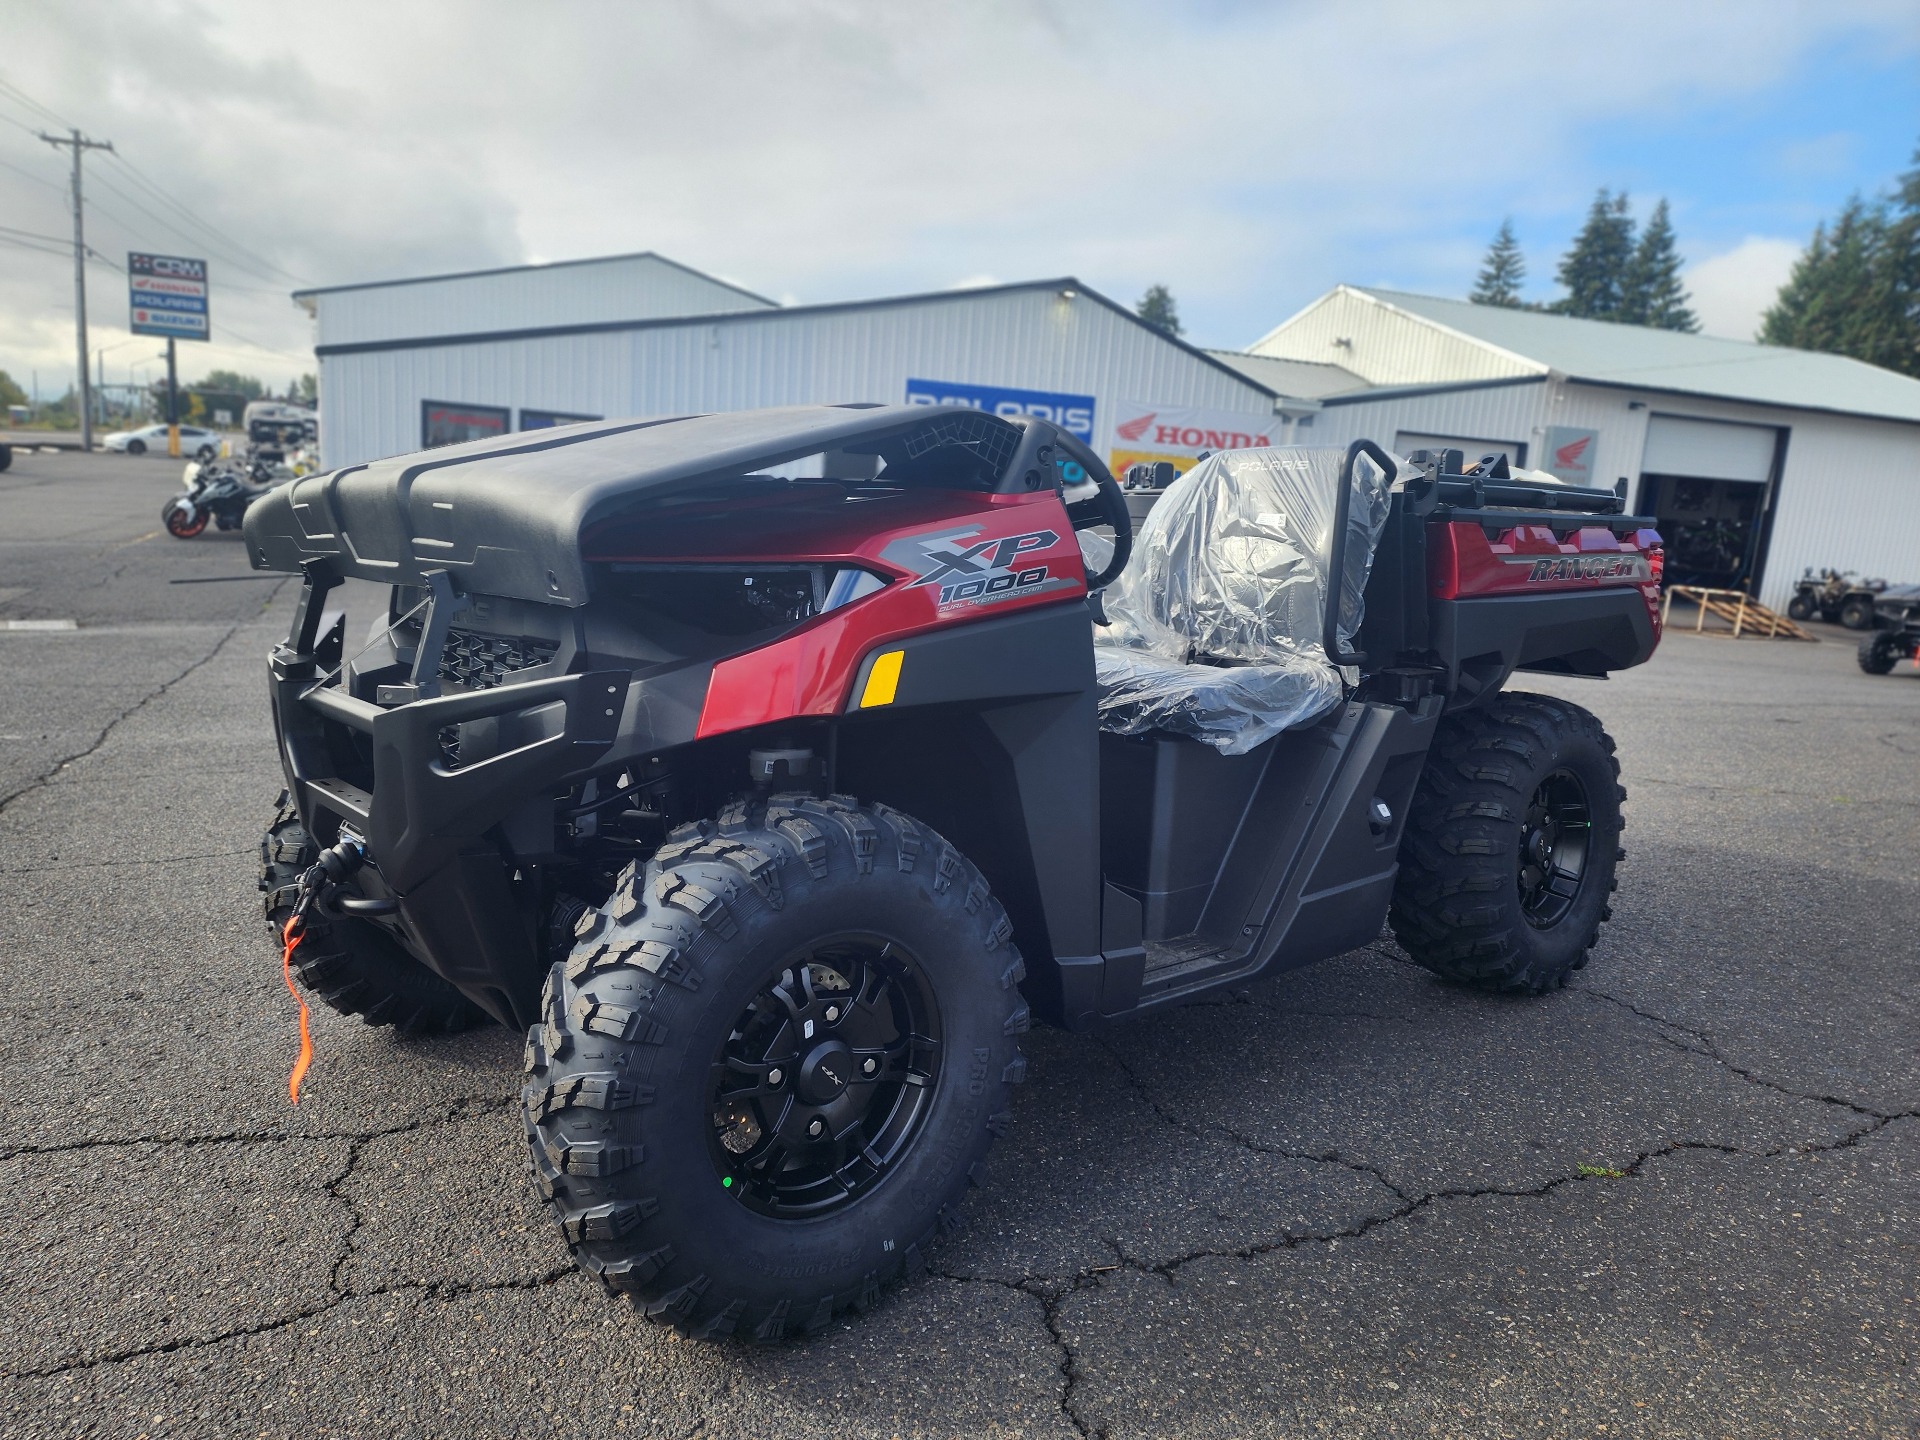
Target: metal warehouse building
point(1760, 461)
point(416, 363)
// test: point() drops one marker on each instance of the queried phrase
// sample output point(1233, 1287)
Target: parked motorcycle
point(216, 491)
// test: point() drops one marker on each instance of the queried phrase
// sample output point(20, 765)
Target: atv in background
point(772, 772)
point(1835, 596)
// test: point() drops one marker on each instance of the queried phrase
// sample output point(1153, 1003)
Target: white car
point(199, 443)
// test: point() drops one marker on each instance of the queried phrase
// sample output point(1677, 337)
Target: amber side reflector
point(883, 679)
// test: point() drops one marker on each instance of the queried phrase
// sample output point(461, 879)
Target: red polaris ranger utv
point(772, 769)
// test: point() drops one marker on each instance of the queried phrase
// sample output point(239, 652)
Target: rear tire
point(1857, 614)
point(668, 1123)
point(1879, 653)
point(350, 964)
point(1511, 845)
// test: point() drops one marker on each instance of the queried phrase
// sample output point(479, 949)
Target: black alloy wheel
point(826, 1079)
point(1553, 848)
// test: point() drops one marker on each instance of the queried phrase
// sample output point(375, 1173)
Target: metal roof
point(1641, 358)
point(1306, 379)
point(653, 255)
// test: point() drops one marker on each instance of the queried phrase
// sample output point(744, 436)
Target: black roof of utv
point(504, 515)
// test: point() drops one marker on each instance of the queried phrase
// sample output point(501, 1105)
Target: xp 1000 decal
point(966, 567)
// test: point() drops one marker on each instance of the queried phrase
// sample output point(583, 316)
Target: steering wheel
point(1107, 506)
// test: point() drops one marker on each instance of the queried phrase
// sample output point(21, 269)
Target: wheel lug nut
point(776, 1075)
point(816, 1127)
point(833, 1013)
point(869, 1065)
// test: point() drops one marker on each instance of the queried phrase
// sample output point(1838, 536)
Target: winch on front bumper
point(454, 795)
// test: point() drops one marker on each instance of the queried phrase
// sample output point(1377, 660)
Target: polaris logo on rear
point(1591, 567)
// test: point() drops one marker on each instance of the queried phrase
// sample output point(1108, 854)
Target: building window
point(547, 419)
point(442, 422)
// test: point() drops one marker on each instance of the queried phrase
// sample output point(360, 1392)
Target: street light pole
point(80, 145)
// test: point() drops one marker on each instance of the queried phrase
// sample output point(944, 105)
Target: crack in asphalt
point(464, 1107)
point(46, 777)
point(1709, 1049)
point(121, 863)
point(339, 1292)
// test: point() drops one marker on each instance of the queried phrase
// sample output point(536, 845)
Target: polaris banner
point(167, 295)
point(1072, 413)
point(1181, 434)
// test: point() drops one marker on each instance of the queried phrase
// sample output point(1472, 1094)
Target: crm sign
point(1072, 413)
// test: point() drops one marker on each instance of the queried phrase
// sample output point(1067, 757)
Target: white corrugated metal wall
point(1030, 338)
point(1849, 491)
point(628, 287)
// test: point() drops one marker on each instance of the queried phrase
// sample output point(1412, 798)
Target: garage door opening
point(1710, 486)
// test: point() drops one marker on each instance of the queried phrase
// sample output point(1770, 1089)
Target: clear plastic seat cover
point(1232, 567)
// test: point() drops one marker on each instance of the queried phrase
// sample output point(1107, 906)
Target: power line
point(206, 226)
point(28, 174)
point(20, 97)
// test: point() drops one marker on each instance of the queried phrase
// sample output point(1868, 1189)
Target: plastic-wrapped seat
point(1214, 629)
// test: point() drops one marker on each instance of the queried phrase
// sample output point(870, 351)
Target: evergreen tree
point(1156, 307)
point(10, 393)
point(1828, 302)
point(1855, 289)
point(1595, 272)
point(1501, 276)
point(1654, 295)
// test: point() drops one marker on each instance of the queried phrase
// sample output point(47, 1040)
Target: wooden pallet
point(1744, 615)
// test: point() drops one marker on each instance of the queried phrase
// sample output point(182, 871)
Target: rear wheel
point(350, 964)
point(772, 1064)
point(1511, 845)
point(1857, 613)
point(1879, 653)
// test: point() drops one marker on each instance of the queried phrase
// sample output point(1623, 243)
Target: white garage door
point(1708, 449)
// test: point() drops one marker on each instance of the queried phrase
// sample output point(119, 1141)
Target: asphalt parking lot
point(1679, 1199)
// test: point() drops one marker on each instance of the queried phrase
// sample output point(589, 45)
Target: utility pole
point(80, 145)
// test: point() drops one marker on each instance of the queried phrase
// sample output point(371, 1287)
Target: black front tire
point(351, 964)
point(1800, 607)
point(624, 1130)
point(1494, 890)
point(1857, 614)
point(1879, 653)
point(136, 447)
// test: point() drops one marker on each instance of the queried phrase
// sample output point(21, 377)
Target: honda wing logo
point(1572, 457)
point(1134, 429)
point(968, 570)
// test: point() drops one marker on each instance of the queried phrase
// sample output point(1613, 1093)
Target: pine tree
point(1595, 271)
point(1855, 289)
point(1654, 295)
point(1156, 307)
point(1501, 276)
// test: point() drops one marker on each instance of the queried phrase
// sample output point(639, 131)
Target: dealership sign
point(1568, 454)
point(1072, 413)
point(1181, 434)
point(168, 296)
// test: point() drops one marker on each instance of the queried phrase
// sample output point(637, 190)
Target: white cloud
point(1246, 156)
point(1732, 290)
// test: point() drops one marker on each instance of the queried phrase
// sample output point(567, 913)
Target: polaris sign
point(167, 295)
point(1072, 413)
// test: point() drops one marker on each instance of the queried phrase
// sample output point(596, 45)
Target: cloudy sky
point(1247, 155)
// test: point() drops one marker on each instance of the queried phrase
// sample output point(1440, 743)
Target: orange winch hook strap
point(291, 935)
